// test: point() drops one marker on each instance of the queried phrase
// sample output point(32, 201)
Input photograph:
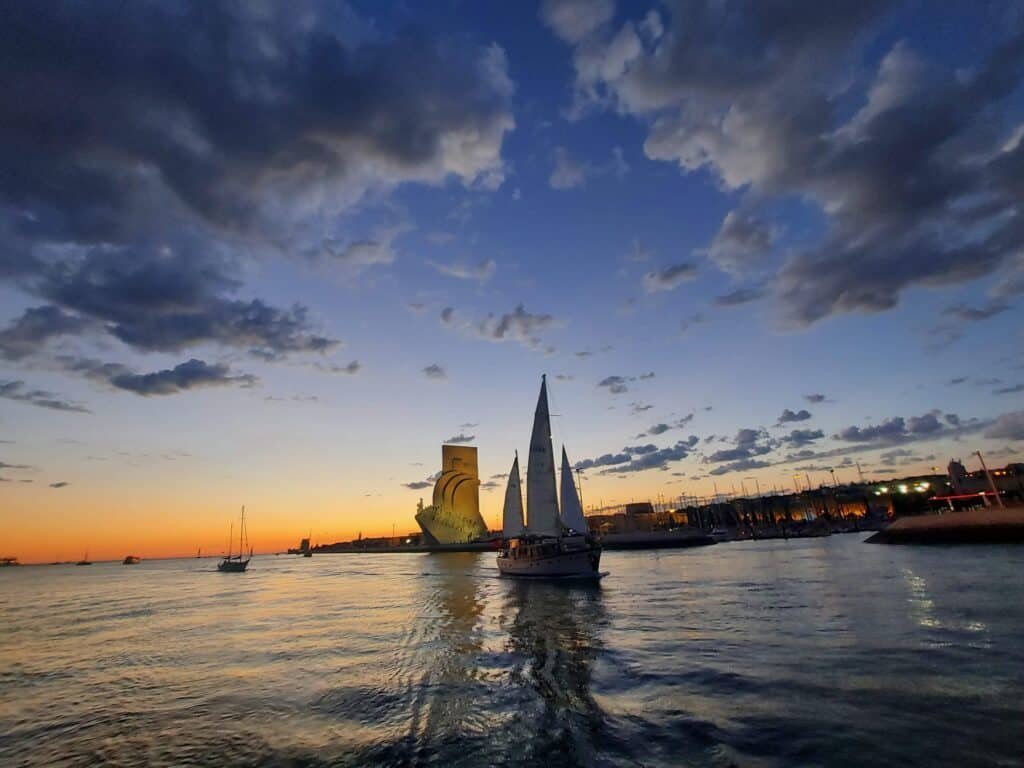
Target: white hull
point(551, 558)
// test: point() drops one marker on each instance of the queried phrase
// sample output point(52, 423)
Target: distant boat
point(308, 552)
point(8, 562)
point(85, 559)
point(550, 543)
point(237, 563)
point(131, 560)
point(199, 553)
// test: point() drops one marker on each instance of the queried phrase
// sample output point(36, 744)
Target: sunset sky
point(275, 255)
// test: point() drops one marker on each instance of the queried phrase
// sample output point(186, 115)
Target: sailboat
point(85, 559)
point(550, 542)
point(237, 563)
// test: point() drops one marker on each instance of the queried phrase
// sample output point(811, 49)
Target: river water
point(802, 652)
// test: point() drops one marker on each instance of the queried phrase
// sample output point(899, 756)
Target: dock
point(978, 526)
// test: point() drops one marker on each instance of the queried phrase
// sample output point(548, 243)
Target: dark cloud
point(742, 243)
point(518, 325)
point(970, 314)
point(661, 428)
point(435, 371)
point(899, 429)
point(37, 325)
point(351, 369)
point(192, 374)
point(748, 443)
point(908, 161)
point(889, 430)
point(17, 391)
point(740, 296)
point(614, 384)
point(468, 425)
point(669, 278)
point(419, 485)
point(460, 438)
point(160, 300)
point(5, 465)
point(141, 179)
point(61, 484)
point(619, 384)
point(658, 459)
point(787, 416)
point(815, 398)
point(607, 460)
point(1009, 426)
point(638, 408)
point(1010, 390)
point(320, 108)
point(801, 437)
point(741, 465)
point(636, 450)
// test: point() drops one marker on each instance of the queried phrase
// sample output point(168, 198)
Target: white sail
point(541, 495)
point(512, 518)
point(572, 509)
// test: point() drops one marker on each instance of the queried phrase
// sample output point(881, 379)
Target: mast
point(231, 539)
point(541, 493)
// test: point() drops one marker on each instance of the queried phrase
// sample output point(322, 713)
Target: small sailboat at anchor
point(550, 542)
point(237, 563)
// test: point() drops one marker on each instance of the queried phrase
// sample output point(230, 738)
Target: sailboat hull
point(233, 566)
point(551, 559)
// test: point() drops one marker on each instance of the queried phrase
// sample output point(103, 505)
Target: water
point(813, 652)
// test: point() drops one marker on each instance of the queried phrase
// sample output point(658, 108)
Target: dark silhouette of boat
point(237, 563)
point(131, 560)
point(85, 559)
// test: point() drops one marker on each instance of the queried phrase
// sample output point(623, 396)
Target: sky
point(276, 254)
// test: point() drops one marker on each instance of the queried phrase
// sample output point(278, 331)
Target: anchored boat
point(550, 542)
point(237, 563)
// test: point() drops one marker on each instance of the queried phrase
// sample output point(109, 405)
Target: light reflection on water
point(812, 652)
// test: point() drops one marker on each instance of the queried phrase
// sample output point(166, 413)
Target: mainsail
point(572, 509)
point(512, 519)
point(541, 495)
